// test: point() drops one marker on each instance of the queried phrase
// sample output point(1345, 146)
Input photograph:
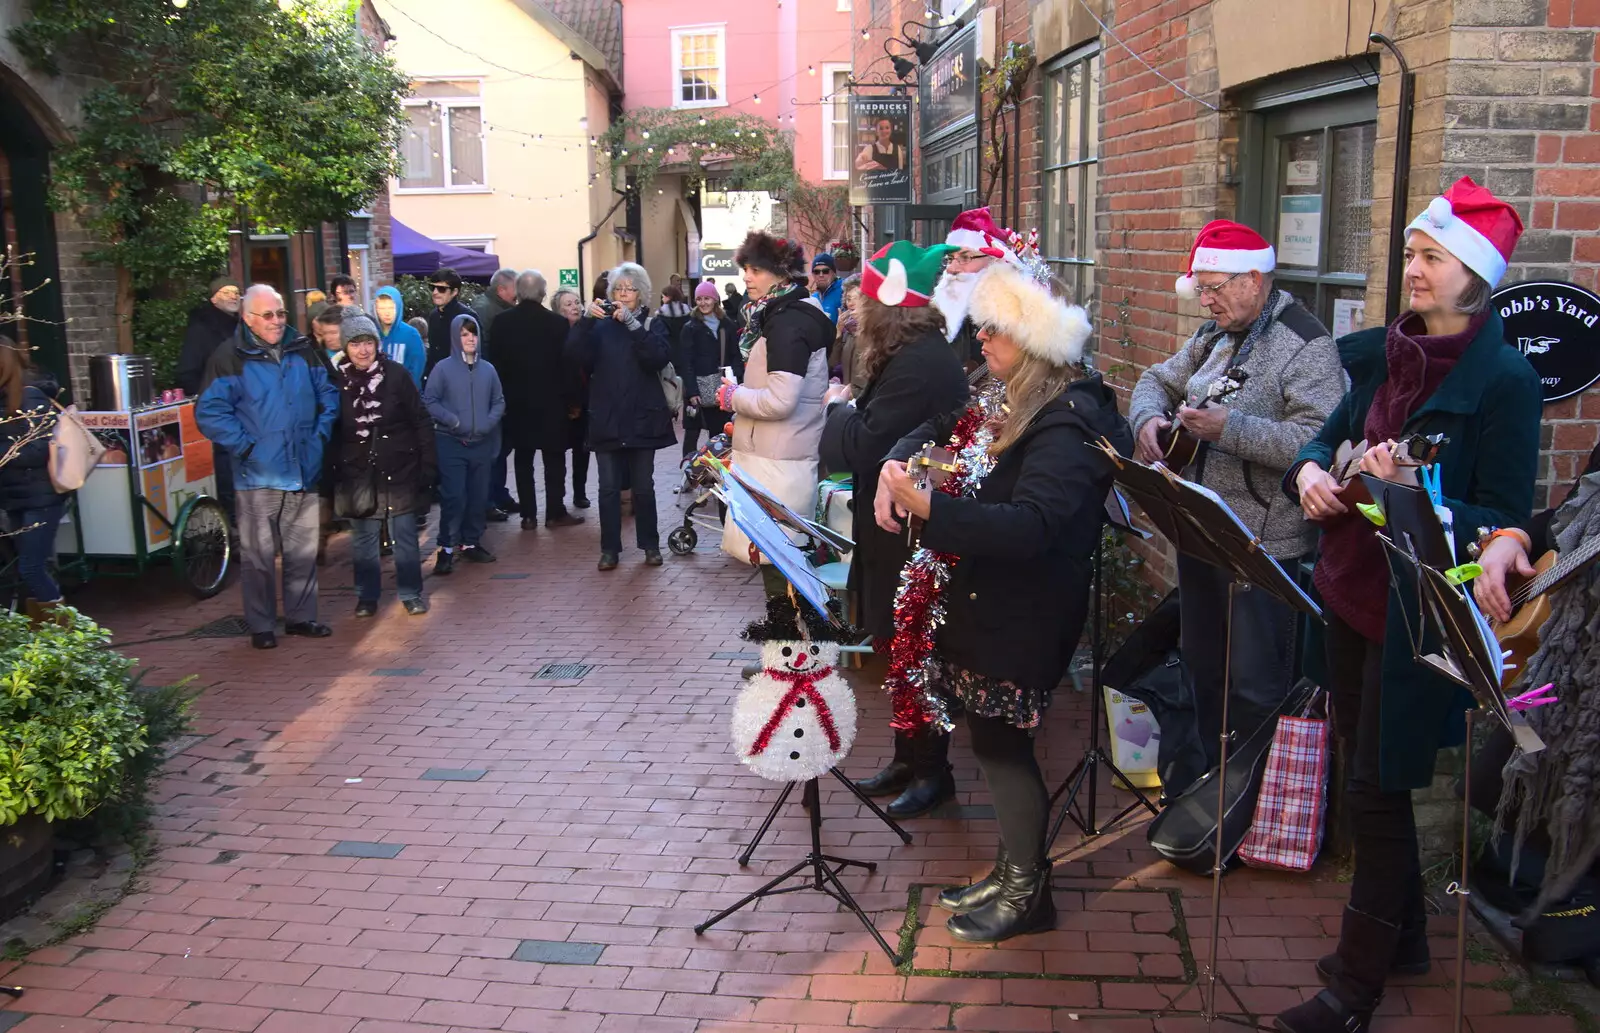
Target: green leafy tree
point(743, 152)
point(201, 113)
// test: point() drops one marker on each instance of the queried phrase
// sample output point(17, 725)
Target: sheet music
point(769, 537)
point(1491, 644)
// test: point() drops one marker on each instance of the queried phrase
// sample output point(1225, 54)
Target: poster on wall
point(1299, 229)
point(1557, 326)
point(880, 171)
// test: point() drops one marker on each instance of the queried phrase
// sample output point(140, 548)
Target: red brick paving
point(609, 814)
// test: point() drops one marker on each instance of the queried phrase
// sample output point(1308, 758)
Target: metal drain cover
point(227, 627)
point(564, 671)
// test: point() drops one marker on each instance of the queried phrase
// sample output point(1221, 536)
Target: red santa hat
point(1225, 246)
point(1474, 225)
point(975, 230)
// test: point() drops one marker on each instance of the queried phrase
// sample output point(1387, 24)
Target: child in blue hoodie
point(398, 341)
point(464, 398)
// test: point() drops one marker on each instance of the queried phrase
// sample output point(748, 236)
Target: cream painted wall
point(1255, 40)
point(538, 203)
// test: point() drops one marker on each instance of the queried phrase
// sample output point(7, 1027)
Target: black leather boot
point(932, 782)
point(893, 779)
point(1411, 957)
point(1021, 904)
point(960, 900)
point(1366, 952)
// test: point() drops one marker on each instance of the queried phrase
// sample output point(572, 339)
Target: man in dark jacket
point(527, 350)
point(446, 287)
point(499, 298)
point(268, 400)
point(210, 323)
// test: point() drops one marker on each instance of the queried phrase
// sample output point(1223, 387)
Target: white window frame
point(844, 5)
point(676, 33)
point(829, 70)
point(469, 240)
point(443, 104)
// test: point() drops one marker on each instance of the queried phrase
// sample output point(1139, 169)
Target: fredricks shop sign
point(949, 84)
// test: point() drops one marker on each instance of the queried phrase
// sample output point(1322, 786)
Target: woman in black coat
point(1018, 588)
point(709, 341)
point(384, 463)
point(913, 377)
point(27, 495)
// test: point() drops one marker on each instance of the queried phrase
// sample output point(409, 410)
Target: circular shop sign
point(1557, 326)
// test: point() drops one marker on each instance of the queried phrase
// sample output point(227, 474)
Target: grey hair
point(555, 299)
point(256, 290)
point(530, 285)
point(634, 273)
point(502, 277)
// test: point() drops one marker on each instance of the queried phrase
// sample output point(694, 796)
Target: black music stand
point(1452, 639)
point(1085, 773)
point(772, 815)
point(1199, 524)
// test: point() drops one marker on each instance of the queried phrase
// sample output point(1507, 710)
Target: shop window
point(1308, 171)
point(697, 67)
point(836, 122)
point(1072, 156)
point(444, 142)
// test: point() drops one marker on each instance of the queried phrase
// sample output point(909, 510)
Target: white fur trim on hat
point(1041, 324)
point(1461, 239)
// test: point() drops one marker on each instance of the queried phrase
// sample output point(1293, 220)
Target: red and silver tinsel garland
point(919, 601)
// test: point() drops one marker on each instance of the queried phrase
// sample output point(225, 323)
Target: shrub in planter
point(69, 725)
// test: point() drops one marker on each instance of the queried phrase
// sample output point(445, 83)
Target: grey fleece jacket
point(1295, 382)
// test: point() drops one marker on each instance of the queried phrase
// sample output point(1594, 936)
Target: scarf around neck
point(362, 387)
point(754, 313)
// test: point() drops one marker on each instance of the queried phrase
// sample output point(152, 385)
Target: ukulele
point(1409, 452)
point(1530, 603)
point(929, 468)
point(1178, 446)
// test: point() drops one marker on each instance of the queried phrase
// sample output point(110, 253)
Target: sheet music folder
point(1199, 524)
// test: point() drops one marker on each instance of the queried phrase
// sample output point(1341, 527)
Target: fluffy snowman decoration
point(796, 718)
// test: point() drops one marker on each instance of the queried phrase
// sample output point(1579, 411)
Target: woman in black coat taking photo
point(1020, 516)
point(913, 377)
point(384, 464)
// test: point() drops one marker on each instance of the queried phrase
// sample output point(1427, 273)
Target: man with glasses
point(268, 400)
point(1254, 384)
point(826, 286)
point(210, 323)
point(445, 286)
point(979, 243)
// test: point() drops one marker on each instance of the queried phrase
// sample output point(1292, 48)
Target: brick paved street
point(404, 829)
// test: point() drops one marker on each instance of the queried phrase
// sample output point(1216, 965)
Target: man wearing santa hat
point(979, 243)
point(1254, 384)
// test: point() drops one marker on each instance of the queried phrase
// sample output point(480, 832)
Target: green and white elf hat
point(902, 275)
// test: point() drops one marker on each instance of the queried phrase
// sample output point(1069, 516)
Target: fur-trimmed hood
point(1042, 324)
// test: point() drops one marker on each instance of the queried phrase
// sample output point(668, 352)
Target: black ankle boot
point(932, 782)
point(893, 779)
point(1022, 904)
point(1411, 956)
point(1366, 953)
point(961, 900)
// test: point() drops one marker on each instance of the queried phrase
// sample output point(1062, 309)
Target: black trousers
point(1388, 872)
point(1021, 801)
point(577, 436)
point(555, 481)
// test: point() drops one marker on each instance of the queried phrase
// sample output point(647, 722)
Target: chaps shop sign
point(1557, 326)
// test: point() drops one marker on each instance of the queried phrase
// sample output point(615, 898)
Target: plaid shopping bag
point(1287, 830)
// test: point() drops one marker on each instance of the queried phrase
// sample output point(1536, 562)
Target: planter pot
point(846, 266)
point(25, 862)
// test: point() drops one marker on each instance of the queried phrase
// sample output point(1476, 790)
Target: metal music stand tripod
point(1085, 774)
point(1199, 524)
point(772, 815)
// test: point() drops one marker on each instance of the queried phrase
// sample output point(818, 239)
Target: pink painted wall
point(823, 37)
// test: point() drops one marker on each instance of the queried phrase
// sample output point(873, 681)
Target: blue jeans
point(364, 541)
point(635, 468)
point(36, 547)
point(464, 488)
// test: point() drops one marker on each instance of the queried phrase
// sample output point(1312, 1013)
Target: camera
point(608, 307)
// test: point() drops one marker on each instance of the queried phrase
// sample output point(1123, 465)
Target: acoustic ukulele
point(929, 468)
point(1530, 603)
point(1411, 452)
point(1178, 446)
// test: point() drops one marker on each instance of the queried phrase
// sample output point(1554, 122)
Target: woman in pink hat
point(1443, 367)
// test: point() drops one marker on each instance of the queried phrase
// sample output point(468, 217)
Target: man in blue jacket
point(268, 401)
point(826, 286)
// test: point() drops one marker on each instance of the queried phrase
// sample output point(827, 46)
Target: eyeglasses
point(623, 288)
point(271, 314)
point(1215, 289)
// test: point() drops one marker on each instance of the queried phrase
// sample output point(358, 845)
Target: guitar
point(1530, 603)
point(1178, 446)
point(929, 468)
point(1411, 452)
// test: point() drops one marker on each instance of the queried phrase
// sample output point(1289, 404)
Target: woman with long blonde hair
point(32, 505)
point(993, 603)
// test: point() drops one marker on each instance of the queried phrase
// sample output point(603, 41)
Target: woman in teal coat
point(1442, 367)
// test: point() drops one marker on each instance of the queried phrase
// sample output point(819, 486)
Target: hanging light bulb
point(865, 34)
point(180, 4)
point(592, 141)
point(758, 98)
point(702, 120)
point(811, 69)
point(285, 5)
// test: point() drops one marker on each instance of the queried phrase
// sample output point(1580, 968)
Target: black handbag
point(1185, 833)
point(355, 497)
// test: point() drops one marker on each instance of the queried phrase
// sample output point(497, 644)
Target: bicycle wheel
point(202, 549)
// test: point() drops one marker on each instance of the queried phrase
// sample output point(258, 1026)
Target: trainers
point(477, 554)
point(366, 608)
point(652, 557)
point(564, 520)
point(416, 607)
point(445, 563)
point(608, 561)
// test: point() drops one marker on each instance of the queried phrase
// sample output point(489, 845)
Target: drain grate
point(226, 627)
point(564, 671)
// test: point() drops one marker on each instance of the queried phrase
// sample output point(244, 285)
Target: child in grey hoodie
point(464, 398)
